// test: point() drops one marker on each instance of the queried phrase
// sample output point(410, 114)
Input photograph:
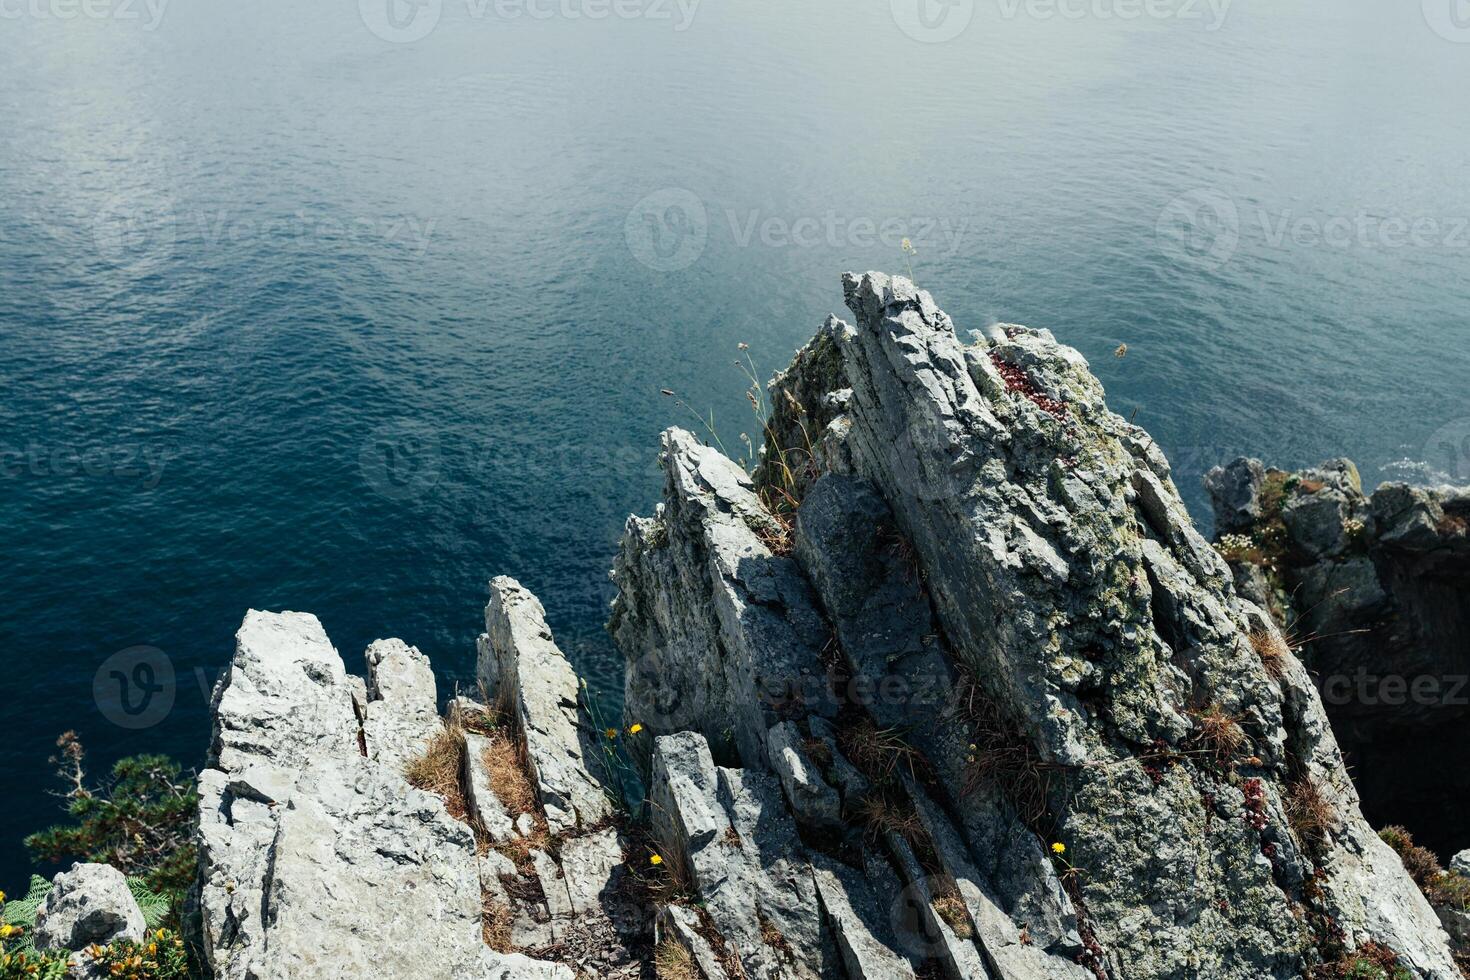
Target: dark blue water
point(294, 316)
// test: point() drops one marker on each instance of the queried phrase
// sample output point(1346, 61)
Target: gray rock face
point(729, 830)
point(1378, 588)
point(312, 843)
point(1075, 620)
point(521, 666)
point(721, 634)
point(484, 806)
point(1235, 492)
point(88, 904)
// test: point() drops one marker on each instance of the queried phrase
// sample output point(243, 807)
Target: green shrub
point(140, 820)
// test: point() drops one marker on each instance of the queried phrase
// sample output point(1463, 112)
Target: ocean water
point(348, 307)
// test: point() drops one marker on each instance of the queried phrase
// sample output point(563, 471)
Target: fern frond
point(155, 907)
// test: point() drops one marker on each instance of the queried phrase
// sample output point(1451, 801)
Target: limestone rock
point(1378, 587)
point(401, 716)
point(730, 832)
point(521, 666)
point(484, 806)
point(88, 904)
point(310, 849)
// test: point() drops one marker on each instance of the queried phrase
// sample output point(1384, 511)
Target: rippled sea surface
point(301, 310)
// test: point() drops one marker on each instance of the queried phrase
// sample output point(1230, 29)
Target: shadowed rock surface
point(1375, 591)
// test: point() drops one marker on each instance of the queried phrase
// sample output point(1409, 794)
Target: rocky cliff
point(951, 686)
point(960, 643)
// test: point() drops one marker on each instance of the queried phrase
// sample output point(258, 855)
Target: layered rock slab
point(522, 669)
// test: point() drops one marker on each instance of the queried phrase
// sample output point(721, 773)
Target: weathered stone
point(681, 925)
point(401, 717)
point(308, 850)
point(860, 922)
point(1235, 490)
point(523, 668)
point(927, 933)
point(88, 904)
point(1081, 610)
point(495, 868)
point(812, 800)
point(1460, 863)
point(1041, 946)
point(1377, 589)
point(593, 867)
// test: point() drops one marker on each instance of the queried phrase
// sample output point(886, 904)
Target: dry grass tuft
point(1453, 524)
point(495, 923)
point(1441, 887)
point(1220, 734)
point(671, 961)
point(1272, 650)
point(883, 815)
point(508, 776)
point(772, 936)
point(950, 907)
point(1001, 756)
point(879, 753)
point(438, 770)
point(1310, 813)
point(1420, 862)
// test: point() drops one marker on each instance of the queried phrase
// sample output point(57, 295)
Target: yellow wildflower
point(635, 729)
point(612, 733)
point(655, 860)
point(1059, 848)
